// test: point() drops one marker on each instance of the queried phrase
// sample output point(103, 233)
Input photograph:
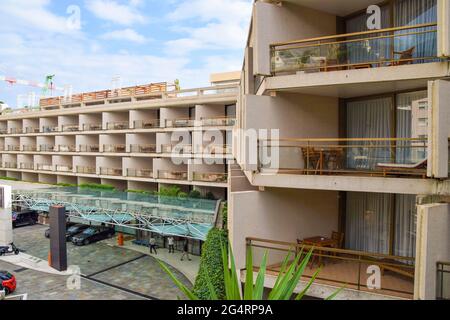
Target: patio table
point(319, 241)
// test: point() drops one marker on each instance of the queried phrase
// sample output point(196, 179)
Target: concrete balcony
point(50, 129)
point(89, 148)
point(110, 171)
point(86, 170)
point(118, 125)
point(179, 123)
point(70, 128)
point(44, 167)
point(10, 165)
point(218, 177)
point(29, 148)
point(92, 127)
point(143, 148)
point(13, 148)
point(65, 148)
point(64, 168)
point(46, 148)
point(114, 148)
point(172, 175)
point(31, 130)
point(15, 130)
point(26, 166)
point(140, 173)
point(146, 124)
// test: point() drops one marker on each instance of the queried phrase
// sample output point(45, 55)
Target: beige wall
point(142, 115)
point(280, 214)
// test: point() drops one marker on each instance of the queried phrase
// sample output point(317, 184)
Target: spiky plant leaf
point(311, 281)
point(248, 288)
point(258, 291)
point(189, 294)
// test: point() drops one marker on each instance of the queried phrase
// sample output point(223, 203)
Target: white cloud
point(126, 35)
point(113, 11)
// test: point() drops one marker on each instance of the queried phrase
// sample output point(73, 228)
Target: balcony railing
point(49, 129)
point(63, 168)
point(89, 148)
point(28, 148)
point(143, 148)
point(115, 148)
point(10, 165)
point(215, 149)
point(368, 49)
point(4, 131)
point(179, 123)
point(118, 125)
point(44, 167)
point(13, 148)
point(140, 173)
point(86, 170)
point(341, 267)
point(172, 175)
point(146, 124)
point(382, 156)
point(46, 148)
point(70, 127)
point(15, 130)
point(219, 177)
point(443, 281)
point(110, 171)
point(218, 121)
point(66, 148)
point(26, 166)
point(92, 127)
point(177, 148)
point(31, 130)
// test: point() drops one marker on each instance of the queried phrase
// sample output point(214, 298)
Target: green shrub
point(138, 191)
point(61, 184)
point(9, 178)
point(210, 196)
point(211, 262)
point(225, 215)
point(182, 195)
point(97, 186)
point(195, 194)
point(172, 191)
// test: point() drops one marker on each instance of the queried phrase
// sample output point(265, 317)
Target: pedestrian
point(185, 250)
point(152, 245)
point(171, 244)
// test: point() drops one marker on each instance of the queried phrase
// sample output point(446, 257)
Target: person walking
point(185, 250)
point(152, 245)
point(171, 244)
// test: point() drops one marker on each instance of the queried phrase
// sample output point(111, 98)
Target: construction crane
point(46, 87)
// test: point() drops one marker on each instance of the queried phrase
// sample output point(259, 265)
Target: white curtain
point(404, 119)
point(368, 119)
point(405, 225)
point(415, 12)
point(368, 219)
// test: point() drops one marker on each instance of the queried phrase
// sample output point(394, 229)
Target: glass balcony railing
point(86, 170)
point(177, 148)
point(49, 129)
point(26, 166)
point(29, 148)
point(118, 125)
point(360, 50)
point(146, 124)
point(66, 148)
point(215, 149)
point(3, 131)
point(46, 148)
point(92, 127)
point(218, 121)
point(378, 156)
point(172, 175)
point(115, 148)
point(70, 127)
point(140, 173)
point(44, 167)
point(64, 168)
point(219, 177)
point(10, 165)
point(179, 123)
point(110, 171)
point(89, 148)
point(143, 148)
point(15, 130)
point(13, 148)
point(31, 130)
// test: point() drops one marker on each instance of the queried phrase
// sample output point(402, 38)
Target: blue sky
point(141, 41)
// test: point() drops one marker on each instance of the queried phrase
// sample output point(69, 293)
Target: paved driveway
point(123, 271)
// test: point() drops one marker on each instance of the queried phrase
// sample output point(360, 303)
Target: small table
point(319, 241)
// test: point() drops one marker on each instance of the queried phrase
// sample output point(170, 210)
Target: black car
point(92, 234)
point(24, 218)
point(71, 230)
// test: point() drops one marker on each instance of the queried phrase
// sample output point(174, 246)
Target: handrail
point(354, 34)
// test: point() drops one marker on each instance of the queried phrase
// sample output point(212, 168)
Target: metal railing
point(140, 173)
point(92, 127)
point(64, 168)
point(176, 148)
point(86, 170)
point(44, 167)
point(89, 148)
point(26, 166)
point(219, 177)
point(46, 148)
point(31, 130)
point(49, 129)
point(117, 148)
point(215, 149)
point(66, 148)
point(341, 267)
point(146, 124)
point(443, 281)
point(13, 148)
point(143, 148)
point(70, 128)
point(4, 131)
point(379, 156)
point(10, 165)
point(172, 175)
point(110, 171)
point(15, 130)
point(28, 148)
point(218, 121)
point(179, 123)
point(367, 49)
point(118, 125)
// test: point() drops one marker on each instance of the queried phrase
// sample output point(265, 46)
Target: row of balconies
point(125, 125)
point(217, 177)
point(122, 148)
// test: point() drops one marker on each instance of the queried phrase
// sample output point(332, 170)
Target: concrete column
point(6, 234)
point(432, 246)
point(443, 9)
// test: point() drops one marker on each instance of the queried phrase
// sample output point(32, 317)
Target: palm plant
point(285, 284)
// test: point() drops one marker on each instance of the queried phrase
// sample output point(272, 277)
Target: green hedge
point(211, 262)
point(9, 178)
point(97, 186)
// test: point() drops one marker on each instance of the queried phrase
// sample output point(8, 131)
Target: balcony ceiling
point(337, 7)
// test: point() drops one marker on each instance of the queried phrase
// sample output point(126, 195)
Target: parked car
point(24, 218)
point(72, 229)
point(92, 234)
point(7, 282)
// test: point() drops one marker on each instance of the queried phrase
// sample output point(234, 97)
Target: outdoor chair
point(405, 57)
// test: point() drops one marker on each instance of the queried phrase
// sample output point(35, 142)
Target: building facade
point(342, 143)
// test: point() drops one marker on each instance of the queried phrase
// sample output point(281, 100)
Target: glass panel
point(405, 226)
